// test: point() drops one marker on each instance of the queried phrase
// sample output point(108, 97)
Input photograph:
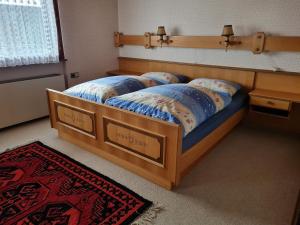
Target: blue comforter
point(101, 89)
point(183, 104)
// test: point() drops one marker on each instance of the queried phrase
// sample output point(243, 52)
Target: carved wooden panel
point(75, 118)
point(144, 144)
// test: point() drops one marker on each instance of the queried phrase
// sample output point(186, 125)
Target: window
point(28, 33)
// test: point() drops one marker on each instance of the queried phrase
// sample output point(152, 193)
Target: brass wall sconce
point(163, 38)
point(227, 34)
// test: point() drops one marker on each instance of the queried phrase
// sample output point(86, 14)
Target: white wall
point(207, 17)
point(87, 29)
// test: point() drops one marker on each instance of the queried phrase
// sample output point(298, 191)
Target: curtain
point(28, 33)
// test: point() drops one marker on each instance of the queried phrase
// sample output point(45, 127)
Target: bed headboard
point(241, 76)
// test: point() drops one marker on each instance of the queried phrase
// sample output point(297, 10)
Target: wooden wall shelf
point(257, 43)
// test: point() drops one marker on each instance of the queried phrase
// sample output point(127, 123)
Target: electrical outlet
point(75, 75)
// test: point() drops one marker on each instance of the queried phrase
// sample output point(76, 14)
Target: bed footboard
point(146, 146)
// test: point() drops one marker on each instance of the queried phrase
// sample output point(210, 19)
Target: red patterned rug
point(41, 186)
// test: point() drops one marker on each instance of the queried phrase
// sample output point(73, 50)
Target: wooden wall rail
point(257, 43)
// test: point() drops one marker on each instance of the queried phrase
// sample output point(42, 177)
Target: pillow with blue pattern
point(166, 78)
point(217, 85)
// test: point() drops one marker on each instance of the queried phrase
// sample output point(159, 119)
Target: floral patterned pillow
point(222, 86)
point(166, 78)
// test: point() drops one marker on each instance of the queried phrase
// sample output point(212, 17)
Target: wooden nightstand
point(121, 72)
point(273, 102)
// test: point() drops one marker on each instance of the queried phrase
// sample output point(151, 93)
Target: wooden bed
point(148, 147)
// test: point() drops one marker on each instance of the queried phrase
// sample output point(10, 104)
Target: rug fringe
point(147, 217)
point(23, 144)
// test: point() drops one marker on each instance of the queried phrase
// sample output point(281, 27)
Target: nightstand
point(273, 103)
point(121, 72)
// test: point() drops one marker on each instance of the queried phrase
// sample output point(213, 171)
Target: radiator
point(25, 99)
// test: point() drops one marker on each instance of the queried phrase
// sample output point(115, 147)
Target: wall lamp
point(163, 38)
point(227, 34)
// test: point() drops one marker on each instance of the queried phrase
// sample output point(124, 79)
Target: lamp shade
point(227, 31)
point(161, 31)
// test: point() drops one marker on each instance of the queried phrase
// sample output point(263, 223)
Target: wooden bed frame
point(148, 147)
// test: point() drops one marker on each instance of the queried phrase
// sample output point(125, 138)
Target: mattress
point(239, 101)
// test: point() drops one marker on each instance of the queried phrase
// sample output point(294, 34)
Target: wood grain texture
point(270, 103)
point(144, 144)
point(121, 161)
point(122, 72)
point(132, 40)
point(210, 42)
point(284, 85)
point(256, 43)
point(77, 118)
point(282, 90)
point(279, 82)
point(207, 66)
point(282, 44)
point(243, 77)
point(276, 95)
point(167, 173)
point(117, 36)
point(147, 40)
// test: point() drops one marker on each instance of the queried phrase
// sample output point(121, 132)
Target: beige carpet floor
point(251, 178)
